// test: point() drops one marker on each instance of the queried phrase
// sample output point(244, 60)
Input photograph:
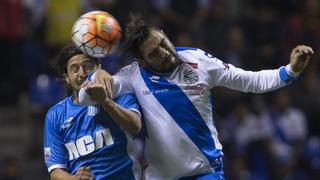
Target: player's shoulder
point(180, 49)
point(131, 68)
point(58, 108)
point(201, 59)
point(187, 51)
point(133, 65)
point(192, 51)
point(192, 54)
point(187, 54)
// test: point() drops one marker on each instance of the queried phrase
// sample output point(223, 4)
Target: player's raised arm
point(129, 120)
point(227, 75)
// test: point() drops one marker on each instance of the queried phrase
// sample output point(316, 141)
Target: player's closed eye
point(87, 66)
point(155, 50)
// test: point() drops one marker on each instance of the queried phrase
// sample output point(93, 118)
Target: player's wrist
point(288, 75)
point(108, 105)
point(84, 98)
point(291, 72)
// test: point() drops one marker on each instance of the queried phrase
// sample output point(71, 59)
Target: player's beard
point(166, 65)
point(169, 64)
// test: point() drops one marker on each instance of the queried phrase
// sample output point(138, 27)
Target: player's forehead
point(153, 41)
point(78, 59)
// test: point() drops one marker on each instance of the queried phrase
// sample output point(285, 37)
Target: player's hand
point(299, 57)
point(97, 92)
point(105, 79)
point(84, 173)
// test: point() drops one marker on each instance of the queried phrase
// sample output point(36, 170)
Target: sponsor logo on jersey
point(86, 144)
point(190, 77)
point(148, 92)
point(197, 89)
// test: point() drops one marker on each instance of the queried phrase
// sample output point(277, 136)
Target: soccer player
point(90, 142)
point(173, 85)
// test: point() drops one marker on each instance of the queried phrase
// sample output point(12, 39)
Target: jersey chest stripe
point(181, 109)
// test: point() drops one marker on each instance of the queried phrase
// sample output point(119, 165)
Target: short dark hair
point(137, 31)
point(59, 63)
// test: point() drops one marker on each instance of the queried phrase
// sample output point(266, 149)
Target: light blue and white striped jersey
point(77, 135)
point(182, 137)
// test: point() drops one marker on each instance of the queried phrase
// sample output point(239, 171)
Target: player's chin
point(81, 81)
point(168, 68)
point(78, 86)
point(168, 64)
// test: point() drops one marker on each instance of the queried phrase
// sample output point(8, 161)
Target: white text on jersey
point(85, 144)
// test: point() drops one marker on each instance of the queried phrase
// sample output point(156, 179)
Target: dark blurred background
point(274, 135)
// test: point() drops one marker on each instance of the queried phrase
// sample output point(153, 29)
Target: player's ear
point(66, 78)
point(162, 32)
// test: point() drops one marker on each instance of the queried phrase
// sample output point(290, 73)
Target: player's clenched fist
point(300, 57)
point(104, 78)
point(84, 173)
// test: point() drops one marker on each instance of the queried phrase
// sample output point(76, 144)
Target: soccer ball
point(96, 33)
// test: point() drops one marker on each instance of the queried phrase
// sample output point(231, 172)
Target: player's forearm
point(130, 121)
point(60, 174)
point(260, 81)
point(249, 81)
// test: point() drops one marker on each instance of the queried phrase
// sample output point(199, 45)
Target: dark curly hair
point(137, 31)
point(60, 62)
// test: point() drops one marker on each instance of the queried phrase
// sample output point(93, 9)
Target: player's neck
point(75, 99)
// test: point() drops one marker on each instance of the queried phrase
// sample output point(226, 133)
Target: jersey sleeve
point(123, 79)
point(129, 101)
point(55, 152)
point(226, 75)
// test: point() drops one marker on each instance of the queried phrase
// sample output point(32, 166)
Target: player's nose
point(82, 72)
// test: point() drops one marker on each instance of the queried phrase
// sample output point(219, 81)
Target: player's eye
point(153, 53)
point(163, 42)
point(74, 68)
point(87, 66)
point(155, 50)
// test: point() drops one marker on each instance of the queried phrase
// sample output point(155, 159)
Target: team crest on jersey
point(190, 77)
point(93, 110)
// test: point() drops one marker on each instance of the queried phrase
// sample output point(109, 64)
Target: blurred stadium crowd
point(266, 136)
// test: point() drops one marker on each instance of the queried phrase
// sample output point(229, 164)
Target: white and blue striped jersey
point(182, 139)
point(77, 135)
